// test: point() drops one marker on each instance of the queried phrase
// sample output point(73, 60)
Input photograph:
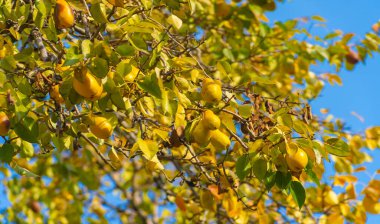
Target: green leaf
point(74, 97)
point(285, 119)
point(242, 166)
point(312, 175)
point(317, 146)
point(27, 150)
point(270, 180)
point(27, 129)
point(8, 63)
point(258, 79)
point(98, 13)
point(123, 68)
point(6, 153)
point(337, 147)
point(283, 179)
point(174, 4)
point(228, 53)
point(275, 138)
point(86, 48)
point(23, 172)
point(43, 6)
point(298, 193)
point(99, 67)
point(117, 100)
point(245, 110)
point(224, 67)
point(150, 85)
point(259, 168)
point(25, 87)
point(62, 143)
point(125, 50)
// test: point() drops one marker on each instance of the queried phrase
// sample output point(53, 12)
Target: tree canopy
point(149, 111)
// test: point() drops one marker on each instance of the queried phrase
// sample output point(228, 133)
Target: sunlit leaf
point(337, 147)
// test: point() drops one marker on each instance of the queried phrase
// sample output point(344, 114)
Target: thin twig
point(237, 138)
point(97, 150)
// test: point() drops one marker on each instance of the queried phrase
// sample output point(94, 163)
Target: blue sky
point(360, 90)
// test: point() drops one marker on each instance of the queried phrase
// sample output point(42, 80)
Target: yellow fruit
point(63, 15)
point(211, 91)
point(297, 161)
point(55, 95)
point(100, 127)
point(201, 135)
point(207, 81)
point(210, 120)
point(220, 140)
point(4, 124)
point(87, 85)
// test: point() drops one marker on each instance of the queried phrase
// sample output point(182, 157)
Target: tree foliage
point(142, 111)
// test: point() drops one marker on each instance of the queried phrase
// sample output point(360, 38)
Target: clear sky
point(360, 91)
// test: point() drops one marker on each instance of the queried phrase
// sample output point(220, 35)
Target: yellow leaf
point(180, 117)
point(231, 204)
point(134, 148)
point(174, 21)
point(342, 180)
point(362, 168)
point(207, 200)
point(350, 190)
point(228, 120)
point(264, 219)
point(215, 192)
point(373, 190)
point(332, 78)
point(371, 144)
point(330, 197)
point(335, 218)
point(154, 164)
point(324, 110)
point(164, 135)
point(344, 209)
point(254, 146)
point(117, 3)
point(371, 205)
point(180, 203)
point(148, 147)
